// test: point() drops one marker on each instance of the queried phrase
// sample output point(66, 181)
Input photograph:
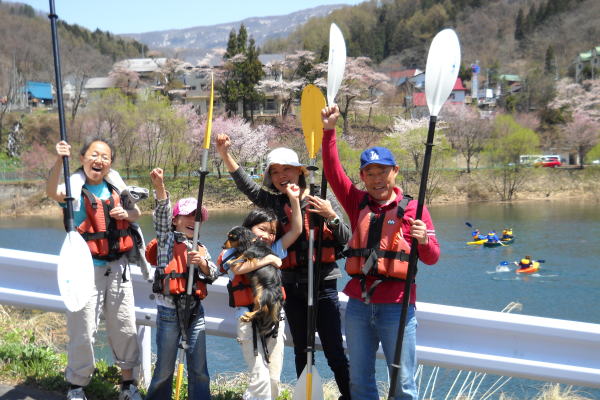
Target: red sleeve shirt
point(350, 198)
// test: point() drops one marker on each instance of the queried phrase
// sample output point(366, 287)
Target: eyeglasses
point(103, 158)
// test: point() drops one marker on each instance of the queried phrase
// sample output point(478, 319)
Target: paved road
point(20, 392)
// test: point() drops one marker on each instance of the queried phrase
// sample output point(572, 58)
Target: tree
point(361, 82)
point(466, 131)
point(508, 141)
point(243, 72)
point(520, 26)
point(549, 61)
point(582, 134)
point(287, 78)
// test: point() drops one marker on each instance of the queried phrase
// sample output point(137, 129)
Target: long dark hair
point(91, 139)
point(260, 215)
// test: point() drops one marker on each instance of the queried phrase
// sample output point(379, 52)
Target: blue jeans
point(167, 342)
point(367, 325)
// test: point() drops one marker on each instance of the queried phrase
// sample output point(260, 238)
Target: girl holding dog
point(170, 252)
point(264, 355)
point(283, 168)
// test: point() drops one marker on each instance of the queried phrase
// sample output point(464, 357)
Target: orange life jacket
point(377, 247)
point(107, 238)
point(239, 289)
point(172, 280)
point(298, 251)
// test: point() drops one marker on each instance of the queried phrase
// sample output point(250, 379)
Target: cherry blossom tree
point(248, 145)
point(582, 134)
point(466, 130)
point(361, 82)
point(287, 78)
point(38, 160)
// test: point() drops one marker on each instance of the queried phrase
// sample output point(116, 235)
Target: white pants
point(114, 299)
point(264, 377)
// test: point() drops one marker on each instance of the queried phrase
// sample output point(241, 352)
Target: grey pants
point(112, 298)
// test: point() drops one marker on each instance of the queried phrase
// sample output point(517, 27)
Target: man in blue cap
point(383, 225)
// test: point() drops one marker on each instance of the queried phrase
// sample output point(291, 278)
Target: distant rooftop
point(104, 82)
point(142, 64)
point(39, 90)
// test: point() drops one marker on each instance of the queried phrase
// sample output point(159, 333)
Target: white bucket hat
point(282, 156)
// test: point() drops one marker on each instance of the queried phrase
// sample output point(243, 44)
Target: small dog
point(265, 281)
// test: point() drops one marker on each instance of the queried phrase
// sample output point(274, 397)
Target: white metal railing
point(517, 345)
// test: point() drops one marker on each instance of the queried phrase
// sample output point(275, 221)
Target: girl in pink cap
point(170, 252)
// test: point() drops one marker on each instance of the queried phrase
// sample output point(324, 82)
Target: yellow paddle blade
point(309, 386)
point(210, 113)
point(178, 380)
point(311, 104)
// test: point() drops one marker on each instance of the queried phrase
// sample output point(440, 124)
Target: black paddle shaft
point(69, 220)
point(413, 258)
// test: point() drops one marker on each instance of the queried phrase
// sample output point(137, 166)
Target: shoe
point(76, 394)
point(130, 392)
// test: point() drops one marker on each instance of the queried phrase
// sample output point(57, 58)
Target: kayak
point(534, 268)
point(504, 242)
point(482, 241)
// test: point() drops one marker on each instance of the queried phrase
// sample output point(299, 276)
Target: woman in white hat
point(283, 168)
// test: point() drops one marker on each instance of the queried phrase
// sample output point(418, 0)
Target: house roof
point(103, 82)
point(510, 78)
point(458, 85)
point(405, 73)
point(419, 99)
point(39, 90)
point(142, 64)
point(270, 58)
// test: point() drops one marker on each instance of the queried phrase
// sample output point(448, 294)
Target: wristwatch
point(333, 223)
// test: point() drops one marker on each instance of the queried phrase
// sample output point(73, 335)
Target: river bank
point(444, 187)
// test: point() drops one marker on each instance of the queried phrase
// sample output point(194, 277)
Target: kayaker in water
point(525, 263)
point(492, 237)
point(507, 234)
point(477, 235)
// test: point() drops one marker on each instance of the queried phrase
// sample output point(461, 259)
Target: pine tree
point(549, 66)
point(519, 26)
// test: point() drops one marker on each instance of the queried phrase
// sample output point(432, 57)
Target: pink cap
point(188, 206)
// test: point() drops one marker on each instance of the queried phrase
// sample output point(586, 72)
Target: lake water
point(563, 233)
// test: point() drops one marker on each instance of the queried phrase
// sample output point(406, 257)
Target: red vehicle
point(548, 161)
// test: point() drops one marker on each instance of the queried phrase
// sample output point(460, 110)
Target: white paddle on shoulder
point(75, 270)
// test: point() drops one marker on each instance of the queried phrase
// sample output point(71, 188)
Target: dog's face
point(239, 238)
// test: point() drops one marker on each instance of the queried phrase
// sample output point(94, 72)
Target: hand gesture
point(330, 115)
point(418, 230)
point(157, 177)
point(223, 144)
point(321, 207)
point(292, 191)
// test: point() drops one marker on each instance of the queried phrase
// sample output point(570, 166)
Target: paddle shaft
point(310, 311)
point(183, 345)
point(413, 258)
point(69, 221)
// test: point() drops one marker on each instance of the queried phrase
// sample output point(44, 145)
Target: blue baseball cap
point(377, 155)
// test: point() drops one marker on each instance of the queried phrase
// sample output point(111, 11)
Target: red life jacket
point(377, 247)
point(107, 238)
point(239, 289)
point(173, 280)
point(298, 251)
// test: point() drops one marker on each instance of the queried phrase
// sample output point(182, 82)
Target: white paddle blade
point(336, 63)
point(441, 71)
point(75, 272)
point(317, 386)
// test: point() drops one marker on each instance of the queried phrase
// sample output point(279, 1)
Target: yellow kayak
point(482, 241)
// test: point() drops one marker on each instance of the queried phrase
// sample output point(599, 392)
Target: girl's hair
point(259, 216)
point(91, 139)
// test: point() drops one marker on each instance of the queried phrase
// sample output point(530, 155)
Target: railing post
point(145, 344)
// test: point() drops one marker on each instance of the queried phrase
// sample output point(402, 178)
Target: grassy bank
point(445, 187)
point(32, 353)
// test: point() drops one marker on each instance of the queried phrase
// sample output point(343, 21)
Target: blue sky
point(136, 16)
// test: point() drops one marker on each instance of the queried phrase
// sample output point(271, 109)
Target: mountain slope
point(192, 43)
